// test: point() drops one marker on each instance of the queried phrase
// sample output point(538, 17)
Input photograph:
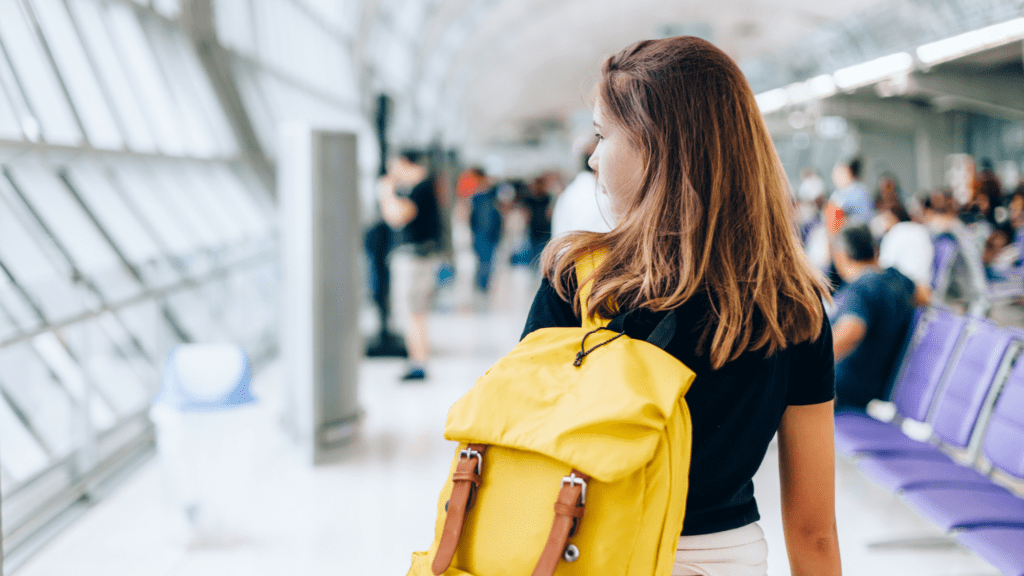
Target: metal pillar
point(320, 250)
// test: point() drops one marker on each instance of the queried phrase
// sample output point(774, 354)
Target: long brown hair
point(713, 212)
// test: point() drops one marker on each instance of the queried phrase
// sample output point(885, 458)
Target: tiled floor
point(364, 514)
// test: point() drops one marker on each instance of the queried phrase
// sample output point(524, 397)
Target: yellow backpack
point(572, 419)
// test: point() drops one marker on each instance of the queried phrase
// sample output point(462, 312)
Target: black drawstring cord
point(583, 345)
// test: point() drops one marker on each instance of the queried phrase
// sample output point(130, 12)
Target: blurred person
point(810, 197)
point(1015, 209)
point(960, 282)
point(980, 213)
point(1001, 254)
point(871, 322)
point(470, 181)
point(538, 208)
point(687, 161)
point(888, 195)
point(581, 206)
point(487, 224)
point(851, 201)
point(906, 246)
point(1015, 219)
point(408, 203)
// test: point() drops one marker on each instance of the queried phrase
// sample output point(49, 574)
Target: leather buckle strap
point(465, 483)
point(568, 517)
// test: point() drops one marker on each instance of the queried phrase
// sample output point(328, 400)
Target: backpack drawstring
point(583, 345)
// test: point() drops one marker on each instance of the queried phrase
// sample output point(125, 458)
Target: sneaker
point(414, 374)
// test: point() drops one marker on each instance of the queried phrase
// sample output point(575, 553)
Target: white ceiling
point(479, 70)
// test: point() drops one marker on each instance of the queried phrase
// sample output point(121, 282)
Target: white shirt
point(907, 247)
point(581, 206)
point(811, 189)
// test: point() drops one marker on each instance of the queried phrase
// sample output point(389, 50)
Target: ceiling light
point(822, 86)
point(818, 87)
point(970, 42)
point(772, 100)
point(798, 92)
point(873, 70)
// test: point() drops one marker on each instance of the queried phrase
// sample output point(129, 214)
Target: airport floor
point(365, 514)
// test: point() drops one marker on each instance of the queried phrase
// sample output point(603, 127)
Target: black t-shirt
point(884, 301)
point(424, 231)
point(735, 410)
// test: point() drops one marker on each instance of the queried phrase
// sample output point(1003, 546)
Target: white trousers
point(738, 552)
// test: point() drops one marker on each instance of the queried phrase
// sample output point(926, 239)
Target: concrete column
point(320, 261)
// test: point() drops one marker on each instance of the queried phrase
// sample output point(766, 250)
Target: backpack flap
point(603, 417)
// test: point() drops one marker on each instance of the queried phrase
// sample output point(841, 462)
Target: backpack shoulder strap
point(585, 266)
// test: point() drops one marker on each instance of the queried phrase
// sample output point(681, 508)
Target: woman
point(704, 227)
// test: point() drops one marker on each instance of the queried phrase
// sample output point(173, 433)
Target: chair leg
point(915, 542)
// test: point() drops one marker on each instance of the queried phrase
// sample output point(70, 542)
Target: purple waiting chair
point(922, 373)
point(1004, 447)
point(981, 364)
point(989, 517)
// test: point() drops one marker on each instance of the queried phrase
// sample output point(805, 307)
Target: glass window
point(137, 189)
point(21, 452)
point(143, 68)
point(182, 204)
point(169, 8)
point(54, 352)
point(46, 405)
point(10, 128)
point(78, 75)
point(256, 106)
point(243, 205)
point(91, 253)
point(209, 202)
point(148, 325)
point(105, 366)
point(16, 98)
point(234, 24)
point(37, 77)
point(132, 350)
point(8, 325)
point(123, 226)
point(200, 312)
point(200, 142)
point(206, 127)
point(15, 306)
point(206, 97)
point(35, 263)
point(123, 94)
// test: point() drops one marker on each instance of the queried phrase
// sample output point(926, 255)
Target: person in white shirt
point(581, 206)
point(906, 246)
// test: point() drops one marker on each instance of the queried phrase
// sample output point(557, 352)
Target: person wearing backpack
point(704, 228)
point(659, 359)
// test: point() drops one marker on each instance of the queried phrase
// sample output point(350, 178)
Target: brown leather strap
point(568, 516)
point(465, 482)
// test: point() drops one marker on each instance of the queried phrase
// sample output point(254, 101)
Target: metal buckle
point(572, 478)
point(469, 453)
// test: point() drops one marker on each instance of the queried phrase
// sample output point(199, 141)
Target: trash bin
point(204, 419)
